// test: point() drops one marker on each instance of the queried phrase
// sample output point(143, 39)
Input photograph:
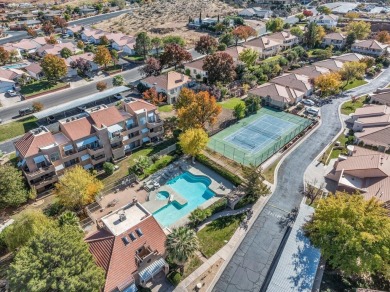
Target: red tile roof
point(29, 144)
point(141, 104)
point(78, 129)
point(107, 117)
point(118, 259)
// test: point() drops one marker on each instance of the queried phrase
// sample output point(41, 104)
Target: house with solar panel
point(130, 247)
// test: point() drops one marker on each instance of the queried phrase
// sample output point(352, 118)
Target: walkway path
point(249, 265)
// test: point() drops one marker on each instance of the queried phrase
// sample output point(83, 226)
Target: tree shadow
point(289, 219)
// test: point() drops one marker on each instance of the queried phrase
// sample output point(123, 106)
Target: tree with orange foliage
point(196, 110)
point(243, 32)
point(51, 40)
point(151, 95)
point(328, 84)
point(383, 37)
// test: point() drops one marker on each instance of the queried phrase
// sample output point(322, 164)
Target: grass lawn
point(165, 108)
point(350, 107)
point(230, 103)
point(133, 58)
point(17, 128)
point(191, 266)
point(128, 162)
point(334, 153)
point(215, 235)
point(39, 87)
point(355, 83)
point(268, 173)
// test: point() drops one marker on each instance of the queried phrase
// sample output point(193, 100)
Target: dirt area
point(161, 18)
point(206, 278)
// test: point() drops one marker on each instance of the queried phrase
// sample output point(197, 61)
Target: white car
point(12, 93)
point(308, 102)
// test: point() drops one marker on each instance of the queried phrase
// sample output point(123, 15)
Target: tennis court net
point(263, 132)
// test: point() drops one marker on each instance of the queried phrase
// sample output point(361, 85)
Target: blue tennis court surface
point(254, 139)
point(260, 133)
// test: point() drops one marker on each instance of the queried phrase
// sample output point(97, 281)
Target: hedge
point(236, 180)
point(174, 278)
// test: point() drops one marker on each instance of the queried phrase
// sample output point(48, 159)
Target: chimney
point(267, 42)
point(182, 77)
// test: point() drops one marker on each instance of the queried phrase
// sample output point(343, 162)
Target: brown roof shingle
point(106, 117)
point(30, 143)
point(78, 129)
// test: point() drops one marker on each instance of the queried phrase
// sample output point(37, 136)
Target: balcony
point(95, 150)
point(98, 159)
point(116, 139)
point(158, 123)
point(41, 171)
point(44, 182)
point(155, 133)
point(118, 152)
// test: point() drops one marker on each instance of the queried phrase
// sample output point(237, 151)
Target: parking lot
point(7, 100)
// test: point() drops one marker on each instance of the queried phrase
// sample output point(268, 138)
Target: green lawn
point(215, 235)
point(40, 87)
point(268, 173)
point(165, 108)
point(133, 58)
point(350, 107)
point(334, 153)
point(230, 103)
point(17, 128)
point(128, 162)
point(354, 84)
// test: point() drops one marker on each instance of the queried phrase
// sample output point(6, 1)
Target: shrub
point(101, 85)
point(236, 180)
point(218, 206)
point(174, 278)
point(37, 106)
point(386, 63)
point(222, 47)
point(54, 210)
point(142, 87)
point(108, 168)
point(188, 72)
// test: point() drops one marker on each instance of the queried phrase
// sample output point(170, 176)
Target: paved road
point(249, 266)
point(19, 35)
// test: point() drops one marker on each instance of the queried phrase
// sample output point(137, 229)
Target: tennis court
point(256, 138)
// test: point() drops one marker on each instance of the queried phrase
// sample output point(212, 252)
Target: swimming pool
point(194, 188)
point(15, 66)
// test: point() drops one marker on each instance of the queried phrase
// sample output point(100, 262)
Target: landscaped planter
point(46, 92)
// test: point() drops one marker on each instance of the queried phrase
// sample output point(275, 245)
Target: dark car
point(25, 111)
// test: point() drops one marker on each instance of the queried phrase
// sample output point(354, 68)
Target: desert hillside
point(162, 17)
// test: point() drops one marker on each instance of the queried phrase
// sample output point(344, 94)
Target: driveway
point(249, 266)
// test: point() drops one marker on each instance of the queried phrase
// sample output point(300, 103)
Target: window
point(139, 232)
point(54, 156)
point(125, 240)
point(132, 236)
point(142, 120)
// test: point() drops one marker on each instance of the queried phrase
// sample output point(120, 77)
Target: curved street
point(248, 267)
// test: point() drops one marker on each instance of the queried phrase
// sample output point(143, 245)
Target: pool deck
point(153, 204)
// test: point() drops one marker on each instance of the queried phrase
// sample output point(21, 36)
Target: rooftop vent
point(125, 240)
point(139, 232)
point(122, 217)
point(132, 236)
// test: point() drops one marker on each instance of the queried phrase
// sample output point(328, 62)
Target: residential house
point(332, 64)
point(311, 71)
point(364, 171)
point(12, 15)
point(27, 46)
point(40, 40)
point(234, 52)
point(74, 29)
point(196, 22)
point(382, 96)
point(129, 247)
point(349, 57)
point(284, 38)
point(257, 25)
point(276, 2)
point(196, 69)
point(255, 12)
point(11, 74)
point(92, 35)
point(6, 84)
point(369, 116)
point(32, 23)
point(12, 48)
point(328, 21)
point(276, 95)
point(119, 41)
point(335, 39)
point(169, 84)
point(27, 16)
point(56, 49)
point(88, 57)
point(87, 11)
point(128, 48)
point(51, 14)
point(264, 46)
point(369, 47)
point(34, 70)
point(295, 81)
point(88, 139)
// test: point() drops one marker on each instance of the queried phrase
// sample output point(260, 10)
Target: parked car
point(12, 93)
point(25, 111)
point(308, 102)
point(118, 96)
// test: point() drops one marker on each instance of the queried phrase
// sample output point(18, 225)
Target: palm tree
point(181, 245)
point(68, 218)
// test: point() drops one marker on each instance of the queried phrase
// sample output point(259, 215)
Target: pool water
point(15, 66)
point(194, 188)
point(163, 195)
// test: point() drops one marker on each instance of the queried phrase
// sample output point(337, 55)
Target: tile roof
point(197, 64)
point(235, 51)
point(31, 143)
point(325, 17)
point(168, 81)
point(277, 92)
point(331, 64)
point(26, 45)
point(311, 71)
point(282, 36)
point(350, 57)
point(371, 110)
point(335, 36)
point(34, 67)
point(10, 74)
point(383, 98)
point(86, 56)
point(40, 40)
point(139, 104)
point(375, 120)
point(118, 259)
point(292, 80)
point(261, 42)
point(78, 129)
point(106, 117)
point(379, 136)
point(370, 44)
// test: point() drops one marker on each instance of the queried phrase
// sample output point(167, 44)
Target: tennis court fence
point(258, 158)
